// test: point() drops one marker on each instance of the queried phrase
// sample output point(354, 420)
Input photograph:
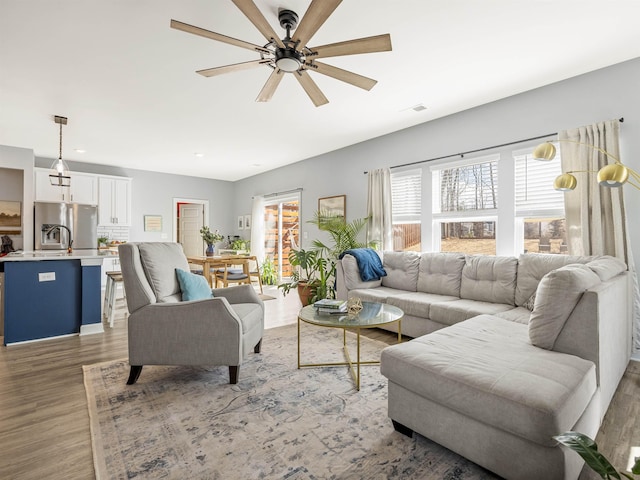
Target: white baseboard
point(91, 328)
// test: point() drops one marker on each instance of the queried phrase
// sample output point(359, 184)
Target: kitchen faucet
point(47, 228)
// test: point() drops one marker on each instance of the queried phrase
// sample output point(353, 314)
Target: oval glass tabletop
point(373, 314)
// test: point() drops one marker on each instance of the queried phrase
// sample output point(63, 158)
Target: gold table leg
point(355, 371)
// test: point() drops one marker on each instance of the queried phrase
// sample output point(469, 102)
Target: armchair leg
point(256, 349)
point(234, 370)
point(134, 374)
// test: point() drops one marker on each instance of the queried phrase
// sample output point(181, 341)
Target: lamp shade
point(544, 152)
point(614, 175)
point(565, 182)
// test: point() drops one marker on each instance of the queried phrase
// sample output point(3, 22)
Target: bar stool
point(113, 279)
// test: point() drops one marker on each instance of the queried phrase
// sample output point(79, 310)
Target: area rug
point(264, 296)
point(278, 422)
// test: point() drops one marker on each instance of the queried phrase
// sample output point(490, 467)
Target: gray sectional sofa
point(507, 352)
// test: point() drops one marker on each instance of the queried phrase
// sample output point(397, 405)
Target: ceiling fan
point(291, 54)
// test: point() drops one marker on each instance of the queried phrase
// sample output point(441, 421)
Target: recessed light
point(81, 150)
point(199, 155)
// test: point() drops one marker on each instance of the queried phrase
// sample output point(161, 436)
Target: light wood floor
point(44, 424)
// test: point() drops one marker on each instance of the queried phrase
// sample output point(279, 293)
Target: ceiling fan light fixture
point(288, 60)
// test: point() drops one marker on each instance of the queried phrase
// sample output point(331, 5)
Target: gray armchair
point(164, 330)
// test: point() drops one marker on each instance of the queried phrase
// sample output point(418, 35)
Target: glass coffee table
point(372, 315)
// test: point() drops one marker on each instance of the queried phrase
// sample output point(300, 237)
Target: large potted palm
point(315, 269)
point(309, 276)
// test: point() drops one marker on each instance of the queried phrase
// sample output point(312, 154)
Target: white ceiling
point(127, 82)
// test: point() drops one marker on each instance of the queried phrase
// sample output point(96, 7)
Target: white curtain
point(595, 215)
point(380, 228)
point(257, 228)
point(596, 221)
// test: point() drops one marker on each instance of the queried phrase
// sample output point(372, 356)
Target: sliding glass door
point(281, 230)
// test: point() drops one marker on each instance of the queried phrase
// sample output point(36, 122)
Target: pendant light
point(59, 175)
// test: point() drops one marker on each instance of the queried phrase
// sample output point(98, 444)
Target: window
point(406, 192)
point(465, 203)
point(539, 208)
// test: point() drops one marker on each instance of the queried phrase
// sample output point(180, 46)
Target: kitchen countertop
point(57, 255)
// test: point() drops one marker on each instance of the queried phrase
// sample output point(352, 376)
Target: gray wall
point(153, 194)
point(601, 95)
point(593, 97)
point(11, 188)
point(21, 160)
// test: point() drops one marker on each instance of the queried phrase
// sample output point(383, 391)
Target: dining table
point(210, 264)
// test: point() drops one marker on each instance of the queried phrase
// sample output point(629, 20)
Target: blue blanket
point(369, 263)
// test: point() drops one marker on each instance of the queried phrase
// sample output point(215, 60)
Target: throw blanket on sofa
point(369, 263)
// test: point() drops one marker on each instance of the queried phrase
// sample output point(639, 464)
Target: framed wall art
point(333, 206)
point(10, 214)
point(240, 222)
point(153, 223)
point(247, 222)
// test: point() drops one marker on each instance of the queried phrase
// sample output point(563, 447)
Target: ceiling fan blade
point(344, 75)
point(377, 43)
point(185, 27)
point(316, 96)
point(270, 87)
point(212, 72)
point(315, 16)
point(255, 16)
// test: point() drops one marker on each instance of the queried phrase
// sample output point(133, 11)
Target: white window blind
point(469, 187)
point(406, 194)
point(534, 192)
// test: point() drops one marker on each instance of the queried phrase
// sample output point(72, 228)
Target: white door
point(191, 220)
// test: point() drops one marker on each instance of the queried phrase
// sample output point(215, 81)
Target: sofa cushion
point(418, 304)
point(607, 267)
point(440, 273)
point(402, 270)
point(557, 295)
point(450, 313)
point(378, 294)
point(486, 368)
point(533, 266)
point(489, 279)
point(160, 261)
point(518, 315)
point(352, 278)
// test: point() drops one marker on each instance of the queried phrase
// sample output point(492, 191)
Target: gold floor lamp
point(612, 176)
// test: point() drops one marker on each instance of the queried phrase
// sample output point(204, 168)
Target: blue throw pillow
point(194, 287)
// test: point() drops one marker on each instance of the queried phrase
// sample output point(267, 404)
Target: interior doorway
point(190, 215)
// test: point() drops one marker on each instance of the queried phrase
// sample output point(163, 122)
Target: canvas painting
point(10, 214)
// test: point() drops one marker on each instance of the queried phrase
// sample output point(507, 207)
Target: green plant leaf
point(588, 450)
point(636, 466)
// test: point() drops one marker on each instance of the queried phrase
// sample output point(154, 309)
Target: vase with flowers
point(210, 238)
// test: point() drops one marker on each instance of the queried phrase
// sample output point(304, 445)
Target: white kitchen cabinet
point(114, 201)
point(83, 188)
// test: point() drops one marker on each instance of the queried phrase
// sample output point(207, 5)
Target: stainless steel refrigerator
point(55, 223)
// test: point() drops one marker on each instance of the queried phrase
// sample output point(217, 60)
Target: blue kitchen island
point(51, 293)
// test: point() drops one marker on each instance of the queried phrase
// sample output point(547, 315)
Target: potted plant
point(268, 273)
point(210, 238)
point(309, 276)
point(316, 268)
point(240, 246)
point(102, 242)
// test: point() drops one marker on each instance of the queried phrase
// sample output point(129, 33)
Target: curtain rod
point(462, 154)
point(275, 194)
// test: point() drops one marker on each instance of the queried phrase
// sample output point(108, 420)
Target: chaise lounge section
point(509, 352)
